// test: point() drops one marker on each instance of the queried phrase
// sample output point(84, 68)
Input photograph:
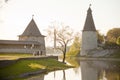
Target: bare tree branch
point(63, 37)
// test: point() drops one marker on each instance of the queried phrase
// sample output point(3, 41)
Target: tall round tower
point(89, 35)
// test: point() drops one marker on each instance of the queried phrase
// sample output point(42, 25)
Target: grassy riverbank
point(25, 66)
point(11, 56)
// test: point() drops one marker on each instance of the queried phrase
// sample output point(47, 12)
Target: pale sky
point(16, 14)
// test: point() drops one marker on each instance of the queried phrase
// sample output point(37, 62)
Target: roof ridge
point(31, 29)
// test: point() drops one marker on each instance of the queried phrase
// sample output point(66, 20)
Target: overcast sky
point(16, 14)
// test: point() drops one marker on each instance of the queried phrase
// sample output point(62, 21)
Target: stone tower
point(89, 35)
point(32, 34)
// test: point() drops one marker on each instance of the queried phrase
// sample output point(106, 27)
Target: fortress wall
point(19, 50)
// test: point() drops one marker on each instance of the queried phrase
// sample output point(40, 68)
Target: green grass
point(10, 56)
point(24, 66)
point(16, 54)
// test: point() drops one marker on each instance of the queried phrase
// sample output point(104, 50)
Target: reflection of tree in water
point(74, 62)
point(105, 70)
point(109, 74)
point(113, 72)
point(38, 77)
point(103, 75)
point(64, 76)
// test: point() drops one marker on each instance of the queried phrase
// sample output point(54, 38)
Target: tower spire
point(89, 22)
point(90, 5)
point(32, 16)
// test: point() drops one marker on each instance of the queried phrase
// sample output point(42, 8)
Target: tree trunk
point(63, 57)
point(64, 54)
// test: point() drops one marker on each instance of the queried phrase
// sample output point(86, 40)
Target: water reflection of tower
point(87, 72)
point(94, 70)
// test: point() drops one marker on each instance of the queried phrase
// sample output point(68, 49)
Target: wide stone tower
point(89, 35)
point(32, 34)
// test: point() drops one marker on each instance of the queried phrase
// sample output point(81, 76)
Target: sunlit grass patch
point(12, 56)
point(8, 57)
point(35, 66)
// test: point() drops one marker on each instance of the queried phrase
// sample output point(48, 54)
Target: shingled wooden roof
point(31, 30)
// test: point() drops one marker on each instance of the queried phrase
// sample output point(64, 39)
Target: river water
point(85, 70)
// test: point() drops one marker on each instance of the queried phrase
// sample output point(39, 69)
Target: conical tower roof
point(31, 30)
point(89, 23)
